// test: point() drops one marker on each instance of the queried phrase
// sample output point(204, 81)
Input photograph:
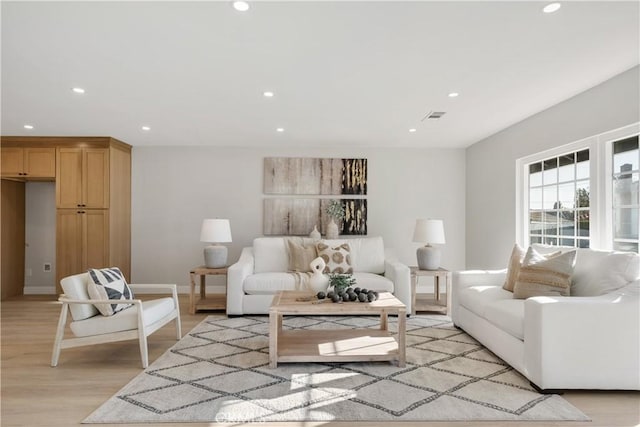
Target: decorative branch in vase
point(335, 211)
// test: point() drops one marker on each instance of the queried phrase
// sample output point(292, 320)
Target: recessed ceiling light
point(280, 130)
point(268, 94)
point(146, 128)
point(29, 127)
point(241, 6)
point(453, 94)
point(551, 7)
point(412, 130)
point(78, 90)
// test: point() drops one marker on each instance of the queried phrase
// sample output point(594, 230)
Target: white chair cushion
point(508, 315)
point(124, 320)
point(75, 287)
point(600, 272)
point(270, 255)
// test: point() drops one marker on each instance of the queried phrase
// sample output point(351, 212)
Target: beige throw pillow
point(515, 262)
point(300, 256)
point(540, 276)
point(338, 259)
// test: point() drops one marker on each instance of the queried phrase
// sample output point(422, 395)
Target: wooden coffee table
point(336, 345)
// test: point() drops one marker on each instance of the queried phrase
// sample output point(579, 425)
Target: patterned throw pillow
point(540, 276)
point(109, 283)
point(338, 259)
point(300, 256)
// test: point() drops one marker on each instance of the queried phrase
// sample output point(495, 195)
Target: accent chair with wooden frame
point(90, 327)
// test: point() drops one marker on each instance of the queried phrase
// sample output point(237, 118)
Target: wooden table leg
point(192, 296)
point(436, 289)
point(203, 287)
point(402, 338)
point(448, 287)
point(384, 321)
point(414, 284)
point(274, 320)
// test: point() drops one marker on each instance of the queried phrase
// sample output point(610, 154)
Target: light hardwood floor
point(35, 394)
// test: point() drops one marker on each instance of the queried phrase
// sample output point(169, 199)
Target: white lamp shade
point(429, 231)
point(215, 231)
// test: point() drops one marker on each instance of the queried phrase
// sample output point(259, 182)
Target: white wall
point(490, 163)
point(175, 188)
point(40, 237)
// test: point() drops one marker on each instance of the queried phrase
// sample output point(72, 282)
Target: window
point(583, 194)
point(559, 200)
point(626, 161)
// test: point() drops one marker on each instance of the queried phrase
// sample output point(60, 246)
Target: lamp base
point(215, 256)
point(428, 258)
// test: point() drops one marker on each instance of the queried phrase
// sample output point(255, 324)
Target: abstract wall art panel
point(315, 176)
point(297, 217)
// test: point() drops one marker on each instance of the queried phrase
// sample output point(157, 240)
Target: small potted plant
point(335, 211)
point(340, 282)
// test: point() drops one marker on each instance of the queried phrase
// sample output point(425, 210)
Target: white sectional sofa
point(589, 340)
point(261, 272)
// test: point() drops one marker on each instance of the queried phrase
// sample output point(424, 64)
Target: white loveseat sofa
point(261, 272)
point(589, 340)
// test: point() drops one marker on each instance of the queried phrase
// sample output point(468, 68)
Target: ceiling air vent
point(433, 115)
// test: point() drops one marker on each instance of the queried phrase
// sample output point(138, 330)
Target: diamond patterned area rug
point(220, 372)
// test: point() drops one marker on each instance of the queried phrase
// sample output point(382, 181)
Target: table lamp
point(429, 231)
point(215, 231)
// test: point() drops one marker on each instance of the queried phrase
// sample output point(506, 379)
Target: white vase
point(318, 281)
point(332, 230)
point(315, 234)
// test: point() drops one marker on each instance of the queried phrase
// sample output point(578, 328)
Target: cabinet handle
point(80, 212)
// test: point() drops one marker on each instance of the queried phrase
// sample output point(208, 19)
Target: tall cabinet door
point(69, 180)
point(69, 243)
point(95, 238)
point(95, 178)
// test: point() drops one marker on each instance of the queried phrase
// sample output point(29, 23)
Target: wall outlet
point(46, 267)
point(28, 272)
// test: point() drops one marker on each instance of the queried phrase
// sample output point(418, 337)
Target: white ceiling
point(344, 73)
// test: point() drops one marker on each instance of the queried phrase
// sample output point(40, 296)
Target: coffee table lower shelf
point(348, 345)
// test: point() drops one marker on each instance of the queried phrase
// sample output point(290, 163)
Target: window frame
point(600, 182)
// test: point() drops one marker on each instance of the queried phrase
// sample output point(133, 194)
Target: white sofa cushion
point(124, 320)
point(270, 254)
point(508, 315)
point(478, 298)
point(373, 282)
point(367, 253)
point(601, 272)
point(270, 283)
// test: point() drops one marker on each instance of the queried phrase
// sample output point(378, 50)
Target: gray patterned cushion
point(109, 283)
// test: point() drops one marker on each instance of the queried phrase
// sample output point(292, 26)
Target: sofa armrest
point(236, 274)
point(566, 337)
point(400, 275)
